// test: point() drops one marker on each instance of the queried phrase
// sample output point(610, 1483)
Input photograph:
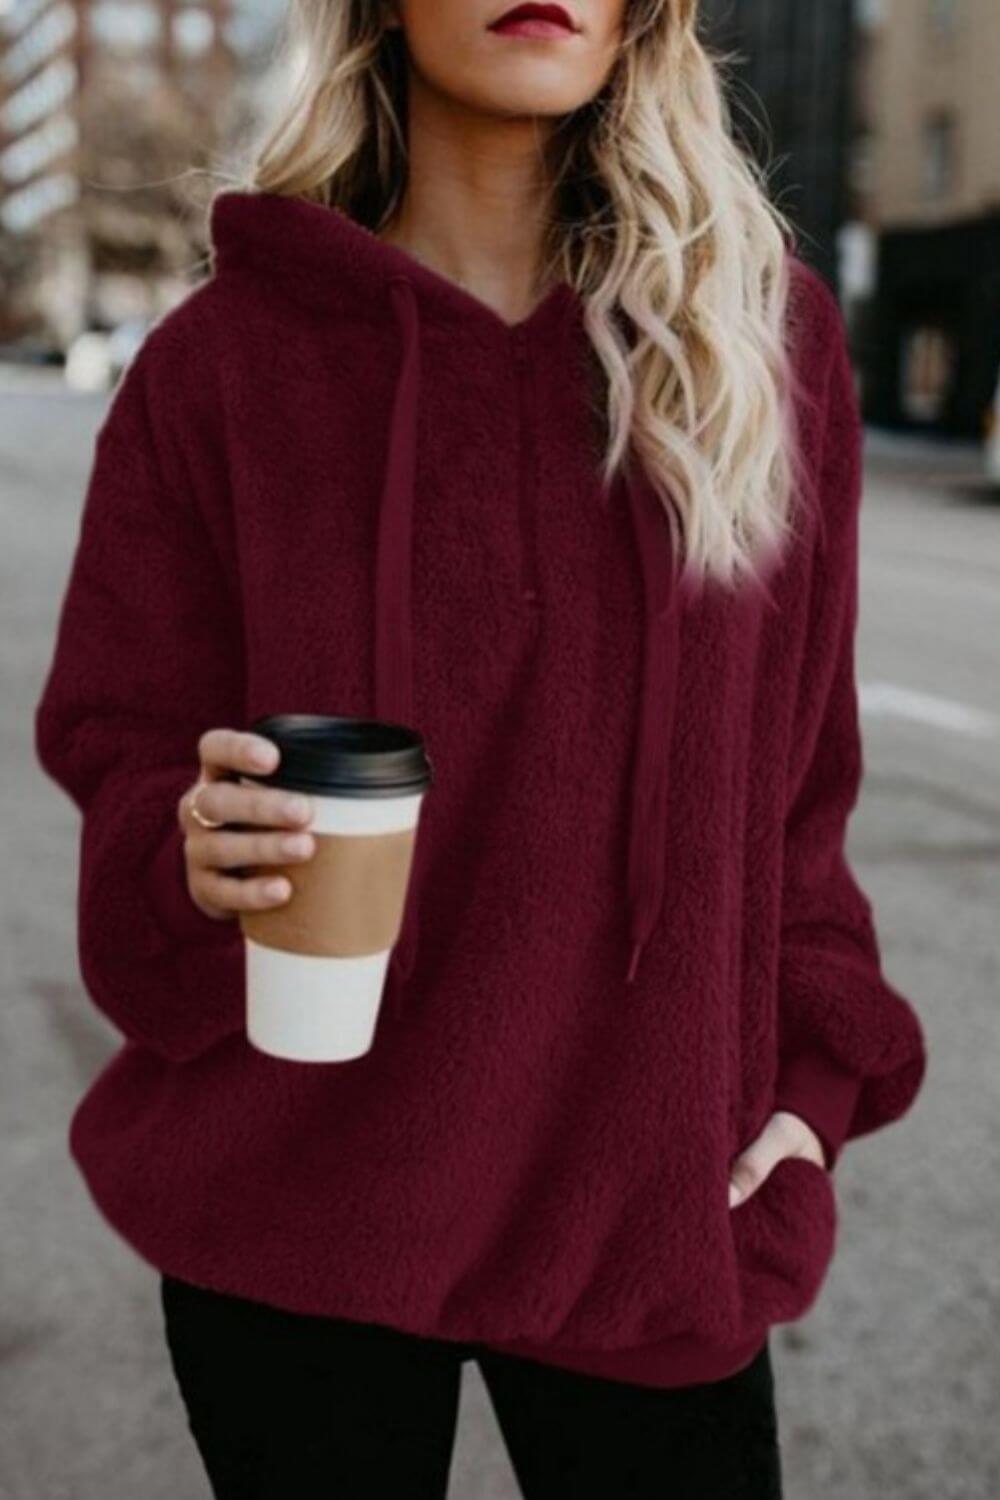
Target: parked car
point(88, 361)
point(30, 350)
point(96, 358)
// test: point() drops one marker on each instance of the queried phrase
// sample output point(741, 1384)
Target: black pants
point(288, 1407)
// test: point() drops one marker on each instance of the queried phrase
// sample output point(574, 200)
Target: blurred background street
point(117, 119)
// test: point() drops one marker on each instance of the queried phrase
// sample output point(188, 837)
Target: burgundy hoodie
point(334, 481)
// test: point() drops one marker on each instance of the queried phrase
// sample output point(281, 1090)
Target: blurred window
point(252, 26)
point(126, 25)
point(33, 152)
point(40, 41)
point(193, 31)
point(43, 93)
point(15, 18)
point(24, 209)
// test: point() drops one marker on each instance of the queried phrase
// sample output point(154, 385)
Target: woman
point(507, 412)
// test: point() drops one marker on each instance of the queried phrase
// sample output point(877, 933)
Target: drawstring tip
point(633, 961)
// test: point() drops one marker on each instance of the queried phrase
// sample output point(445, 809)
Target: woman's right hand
point(214, 856)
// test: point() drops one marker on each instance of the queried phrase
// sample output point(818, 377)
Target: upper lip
point(537, 12)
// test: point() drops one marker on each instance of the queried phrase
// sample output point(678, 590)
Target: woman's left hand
point(785, 1134)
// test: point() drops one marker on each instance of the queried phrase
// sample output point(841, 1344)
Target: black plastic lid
point(342, 756)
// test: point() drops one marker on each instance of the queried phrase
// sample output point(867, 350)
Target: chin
point(511, 94)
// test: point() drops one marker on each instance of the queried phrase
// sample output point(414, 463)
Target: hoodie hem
point(684, 1360)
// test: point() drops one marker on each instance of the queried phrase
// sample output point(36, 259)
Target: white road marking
point(891, 700)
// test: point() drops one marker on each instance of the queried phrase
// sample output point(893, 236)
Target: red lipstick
point(535, 20)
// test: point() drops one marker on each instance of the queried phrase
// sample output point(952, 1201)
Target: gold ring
point(199, 817)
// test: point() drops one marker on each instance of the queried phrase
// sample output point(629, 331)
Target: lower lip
point(533, 27)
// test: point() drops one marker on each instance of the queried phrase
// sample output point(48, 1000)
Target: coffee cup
point(316, 964)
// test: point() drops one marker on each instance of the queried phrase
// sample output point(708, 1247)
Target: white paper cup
point(316, 964)
point(311, 1007)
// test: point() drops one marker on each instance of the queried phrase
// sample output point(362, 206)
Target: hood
point(321, 256)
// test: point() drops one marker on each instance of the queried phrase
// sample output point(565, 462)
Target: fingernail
point(297, 807)
point(734, 1195)
point(264, 755)
point(276, 888)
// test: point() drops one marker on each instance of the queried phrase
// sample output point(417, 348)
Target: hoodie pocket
point(784, 1236)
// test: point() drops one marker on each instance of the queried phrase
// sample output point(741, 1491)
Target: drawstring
point(394, 645)
point(658, 691)
point(393, 573)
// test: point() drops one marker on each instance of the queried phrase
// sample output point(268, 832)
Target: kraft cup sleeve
point(347, 900)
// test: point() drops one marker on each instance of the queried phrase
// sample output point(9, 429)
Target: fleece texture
point(334, 481)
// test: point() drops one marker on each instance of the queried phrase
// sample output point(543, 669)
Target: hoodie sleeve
point(147, 656)
point(851, 1054)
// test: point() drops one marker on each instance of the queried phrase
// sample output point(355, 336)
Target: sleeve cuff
point(823, 1094)
point(167, 889)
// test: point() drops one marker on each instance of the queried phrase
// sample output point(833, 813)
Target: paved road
point(888, 1387)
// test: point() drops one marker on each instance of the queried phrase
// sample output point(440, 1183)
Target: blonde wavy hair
point(663, 226)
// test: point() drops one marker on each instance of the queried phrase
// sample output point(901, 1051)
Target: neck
point(477, 201)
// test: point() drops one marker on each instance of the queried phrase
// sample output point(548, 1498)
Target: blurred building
point(105, 106)
point(922, 249)
point(790, 106)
